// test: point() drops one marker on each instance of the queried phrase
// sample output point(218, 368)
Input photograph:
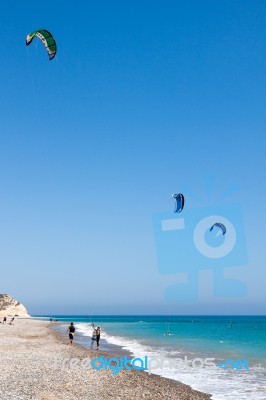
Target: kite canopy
point(219, 225)
point(47, 39)
point(179, 202)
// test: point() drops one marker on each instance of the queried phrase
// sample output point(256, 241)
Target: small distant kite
point(179, 202)
point(220, 226)
point(47, 39)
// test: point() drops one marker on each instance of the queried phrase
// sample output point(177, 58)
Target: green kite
point(47, 39)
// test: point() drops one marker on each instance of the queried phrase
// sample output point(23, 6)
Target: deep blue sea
point(180, 345)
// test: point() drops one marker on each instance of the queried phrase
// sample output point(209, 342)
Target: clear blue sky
point(144, 99)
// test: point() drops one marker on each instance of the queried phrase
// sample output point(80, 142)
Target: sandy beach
point(29, 349)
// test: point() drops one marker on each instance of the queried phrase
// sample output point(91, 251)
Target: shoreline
point(29, 349)
point(106, 348)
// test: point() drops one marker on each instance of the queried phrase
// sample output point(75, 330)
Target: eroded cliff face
point(10, 306)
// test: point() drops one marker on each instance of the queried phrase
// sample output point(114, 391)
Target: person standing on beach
point(98, 334)
point(12, 319)
point(4, 320)
point(93, 338)
point(71, 331)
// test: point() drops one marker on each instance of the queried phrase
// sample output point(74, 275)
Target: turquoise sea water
point(221, 338)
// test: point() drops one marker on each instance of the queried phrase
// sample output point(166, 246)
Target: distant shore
point(36, 365)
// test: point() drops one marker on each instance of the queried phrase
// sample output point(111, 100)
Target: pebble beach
point(29, 349)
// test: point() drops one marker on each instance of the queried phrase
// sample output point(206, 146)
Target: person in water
point(71, 331)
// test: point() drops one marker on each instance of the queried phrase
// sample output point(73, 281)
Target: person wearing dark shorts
point(71, 331)
point(98, 334)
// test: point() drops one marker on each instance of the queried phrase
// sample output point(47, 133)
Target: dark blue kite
point(179, 202)
point(219, 225)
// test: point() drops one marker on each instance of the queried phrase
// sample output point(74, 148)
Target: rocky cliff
point(10, 306)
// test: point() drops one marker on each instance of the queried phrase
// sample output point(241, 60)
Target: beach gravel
point(29, 370)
